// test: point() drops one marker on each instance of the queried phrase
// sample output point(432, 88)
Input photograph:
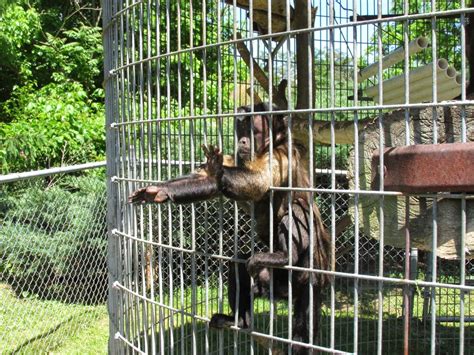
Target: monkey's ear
point(243, 109)
point(280, 95)
point(284, 120)
point(241, 112)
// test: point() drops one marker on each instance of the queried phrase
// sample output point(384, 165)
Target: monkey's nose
point(244, 141)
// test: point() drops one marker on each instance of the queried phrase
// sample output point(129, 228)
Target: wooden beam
point(304, 56)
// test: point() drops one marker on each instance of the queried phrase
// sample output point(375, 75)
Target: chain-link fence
point(53, 266)
point(176, 72)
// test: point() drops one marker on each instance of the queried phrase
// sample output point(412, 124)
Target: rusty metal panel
point(426, 168)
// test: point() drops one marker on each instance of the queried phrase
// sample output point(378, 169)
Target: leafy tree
point(51, 109)
point(59, 123)
point(40, 38)
point(19, 30)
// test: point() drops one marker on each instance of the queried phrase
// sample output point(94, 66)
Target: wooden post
point(304, 56)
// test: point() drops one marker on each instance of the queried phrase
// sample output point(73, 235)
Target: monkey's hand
point(157, 194)
point(253, 265)
point(258, 261)
point(214, 164)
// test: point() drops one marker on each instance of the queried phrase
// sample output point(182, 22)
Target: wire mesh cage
point(352, 78)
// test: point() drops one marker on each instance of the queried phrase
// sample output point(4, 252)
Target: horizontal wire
point(316, 271)
point(118, 285)
point(303, 111)
point(296, 32)
point(438, 195)
point(119, 336)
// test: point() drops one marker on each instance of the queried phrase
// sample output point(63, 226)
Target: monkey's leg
point(301, 319)
point(239, 299)
point(299, 238)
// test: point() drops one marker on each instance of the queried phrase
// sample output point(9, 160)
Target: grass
point(31, 325)
point(177, 332)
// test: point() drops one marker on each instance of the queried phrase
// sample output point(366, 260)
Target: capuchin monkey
point(248, 180)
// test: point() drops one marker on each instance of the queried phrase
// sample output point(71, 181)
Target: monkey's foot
point(220, 321)
point(156, 194)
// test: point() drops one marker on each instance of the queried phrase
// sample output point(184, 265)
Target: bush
point(53, 241)
point(54, 125)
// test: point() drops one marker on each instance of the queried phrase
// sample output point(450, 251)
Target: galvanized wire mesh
point(174, 81)
point(53, 273)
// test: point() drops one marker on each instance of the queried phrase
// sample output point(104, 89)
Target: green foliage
point(36, 48)
point(57, 124)
point(19, 29)
point(75, 56)
point(51, 100)
point(54, 239)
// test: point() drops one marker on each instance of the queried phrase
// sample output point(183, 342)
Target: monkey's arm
point(202, 185)
point(185, 189)
point(278, 258)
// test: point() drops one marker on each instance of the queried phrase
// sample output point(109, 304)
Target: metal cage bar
point(175, 76)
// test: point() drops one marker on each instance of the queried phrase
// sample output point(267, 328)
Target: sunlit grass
point(32, 325)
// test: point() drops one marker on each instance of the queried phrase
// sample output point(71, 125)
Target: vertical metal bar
point(112, 200)
point(434, 238)
point(120, 107)
point(131, 172)
point(135, 245)
point(332, 103)
point(236, 211)
point(220, 144)
point(192, 159)
point(161, 314)
point(205, 141)
point(252, 152)
point(462, 261)
point(311, 104)
point(125, 165)
point(290, 106)
point(407, 288)
point(356, 172)
point(143, 326)
point(169, 155)
point(381, 167)
point(270, 167)
point(179, 145)
point(150, 278)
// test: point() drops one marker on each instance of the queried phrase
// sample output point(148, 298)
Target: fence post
point(113, 247)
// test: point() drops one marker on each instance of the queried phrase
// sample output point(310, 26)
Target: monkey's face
point(260, 123)
point(244, 136)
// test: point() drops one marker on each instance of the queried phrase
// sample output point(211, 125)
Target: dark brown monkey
point(250, 180)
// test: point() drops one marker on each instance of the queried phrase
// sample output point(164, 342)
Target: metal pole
point(112, 200)
point(48, 172)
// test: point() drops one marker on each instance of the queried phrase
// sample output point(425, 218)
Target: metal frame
point(150, 119)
